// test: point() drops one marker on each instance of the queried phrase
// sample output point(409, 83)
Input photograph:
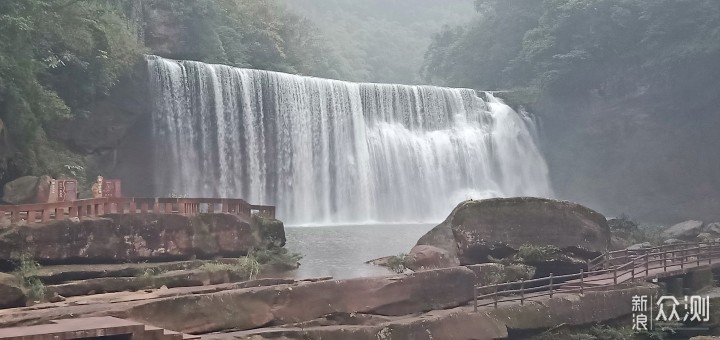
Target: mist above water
point(326, 151)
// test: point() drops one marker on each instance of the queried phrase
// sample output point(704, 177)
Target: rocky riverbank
point(131, 252)
point(251, 296)
point(424, 305)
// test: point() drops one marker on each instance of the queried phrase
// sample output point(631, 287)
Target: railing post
point(582, 280)
point(14, 216)
point(607, 260)
point(632, 271)
point(627, 255)
point(522, 292)
point(664, 262)
point(474, 298)
point(682, 258)
point(647, 264)
point(672, 256)
point(31, 216)
point(495, 298)
point(697, 257)
point(710, 253)
point(615, 276)
point(551, 284)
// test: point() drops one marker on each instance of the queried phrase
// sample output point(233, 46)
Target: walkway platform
point(92, 328)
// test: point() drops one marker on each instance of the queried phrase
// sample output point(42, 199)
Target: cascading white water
point(328, 151)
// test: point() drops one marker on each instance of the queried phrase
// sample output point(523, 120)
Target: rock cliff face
point(155, 237)
point(498, 227)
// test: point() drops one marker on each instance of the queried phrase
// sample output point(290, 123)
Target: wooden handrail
point(638, 265)
point(94, 207)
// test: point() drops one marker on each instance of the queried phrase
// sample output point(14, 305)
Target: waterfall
point(328, 151)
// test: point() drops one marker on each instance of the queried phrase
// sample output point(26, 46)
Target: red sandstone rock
point(252, 308)
point(11, 295)
point(497, 227)
point(430, 257)
point(124, 238)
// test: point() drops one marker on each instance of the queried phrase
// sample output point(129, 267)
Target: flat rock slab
point(73, 272)
point(284, 304)
point(116, 304)
point(463, 323)
point(172, 279)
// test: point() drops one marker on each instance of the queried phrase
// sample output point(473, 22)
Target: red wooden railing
point(616, 268)
point(94, 207)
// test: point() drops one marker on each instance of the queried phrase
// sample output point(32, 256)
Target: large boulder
point(126, 238)
point(27, 189)
point(687, 230)
point(476, 231)
point(713, 228)
point(11, 293)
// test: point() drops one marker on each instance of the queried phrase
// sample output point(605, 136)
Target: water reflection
point(341, 251)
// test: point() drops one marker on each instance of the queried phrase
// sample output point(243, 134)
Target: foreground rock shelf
point(461, 322)
point(424, 305)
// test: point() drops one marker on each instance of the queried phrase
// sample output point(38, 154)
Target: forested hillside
point(59, 60)
point(628, 91)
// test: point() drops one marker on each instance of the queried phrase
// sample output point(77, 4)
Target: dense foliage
point(54, 58)
point(627, 91)
point(576, 46)
point(58, 57)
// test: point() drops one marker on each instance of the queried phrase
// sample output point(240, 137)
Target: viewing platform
point(95, 207)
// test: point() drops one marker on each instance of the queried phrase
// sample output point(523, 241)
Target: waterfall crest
point(328, 151)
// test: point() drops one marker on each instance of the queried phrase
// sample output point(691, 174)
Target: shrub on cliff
point(24, 271)
point(246, 267)
point(399, 263)
point(280, 258)
point(529, 253)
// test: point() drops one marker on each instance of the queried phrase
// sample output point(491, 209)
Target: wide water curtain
point(327, 151)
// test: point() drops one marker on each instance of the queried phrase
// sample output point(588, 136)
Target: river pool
point(341, 251)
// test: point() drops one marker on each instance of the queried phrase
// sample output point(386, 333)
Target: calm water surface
point(341, 251)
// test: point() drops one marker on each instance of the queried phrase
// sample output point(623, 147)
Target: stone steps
point(90, 328)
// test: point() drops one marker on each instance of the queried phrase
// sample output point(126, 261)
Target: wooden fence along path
point(94, 207)
point(606, 272)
